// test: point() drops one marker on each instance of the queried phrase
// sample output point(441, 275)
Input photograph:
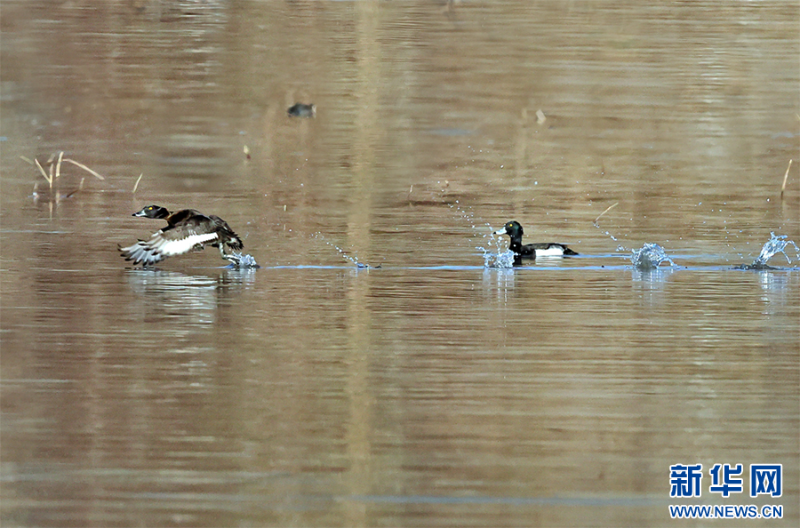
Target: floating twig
point(84, 167)
point(69, 195)
point(136, 186)
point(785, 177)
point(604, 212)
point(26, 160)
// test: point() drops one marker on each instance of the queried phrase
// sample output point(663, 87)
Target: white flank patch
point(554, 251)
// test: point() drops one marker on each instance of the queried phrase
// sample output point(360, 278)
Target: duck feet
point(236, 260)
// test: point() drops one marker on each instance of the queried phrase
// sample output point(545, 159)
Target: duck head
point(152, 211)
point(512, 229)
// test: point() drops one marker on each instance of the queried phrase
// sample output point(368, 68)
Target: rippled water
point(385, 365)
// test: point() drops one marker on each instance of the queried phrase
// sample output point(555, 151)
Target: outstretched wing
point(166, 243)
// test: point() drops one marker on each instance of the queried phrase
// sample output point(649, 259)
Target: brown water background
point(433, 391)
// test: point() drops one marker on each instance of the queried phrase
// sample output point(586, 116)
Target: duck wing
point(184, 215)
point(168, 242)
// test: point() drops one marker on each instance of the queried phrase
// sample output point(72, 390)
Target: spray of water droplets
point(344, 254)
point(494, 256)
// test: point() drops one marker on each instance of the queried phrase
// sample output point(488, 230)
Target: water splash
point(498, 257)
point(492, 258)
point(649, 257)
point(499, 260)
point(243, 262)
point(776, 244)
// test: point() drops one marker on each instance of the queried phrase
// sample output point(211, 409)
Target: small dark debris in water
point(302, 110)
point(361, 265)
point(755, 267)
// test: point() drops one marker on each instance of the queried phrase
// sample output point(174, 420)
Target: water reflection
point(498, 282)
point(779, 291)
point(193, 298)
point(652, 278)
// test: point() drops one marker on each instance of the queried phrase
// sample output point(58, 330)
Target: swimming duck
point(186, 230)
point(302, 110)
point(530, 251)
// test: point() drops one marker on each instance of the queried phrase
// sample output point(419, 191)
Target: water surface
point(432, 391)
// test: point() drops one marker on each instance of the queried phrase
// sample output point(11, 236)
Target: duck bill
point(501, 231)
point(139, 213)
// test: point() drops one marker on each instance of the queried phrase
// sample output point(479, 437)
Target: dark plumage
point(530, 251)
point(302, 110)
point(186, 230)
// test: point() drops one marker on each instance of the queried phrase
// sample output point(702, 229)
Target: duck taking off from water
point(530, 251)
point(186, 230)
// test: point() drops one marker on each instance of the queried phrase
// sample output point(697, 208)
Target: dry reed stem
point(785, 177)
point(58, 165)
point(26, 160)
point(137, 183)
point(49, 180)
point(84, 167)
point(604, 212)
